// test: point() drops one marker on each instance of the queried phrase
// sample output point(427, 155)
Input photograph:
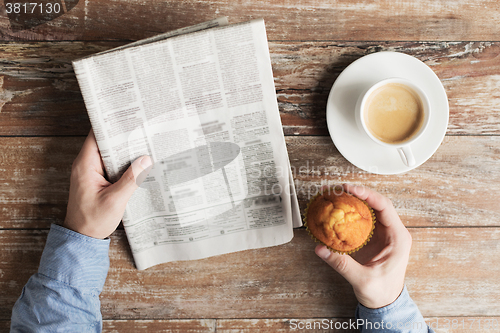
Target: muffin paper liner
point(374, 219)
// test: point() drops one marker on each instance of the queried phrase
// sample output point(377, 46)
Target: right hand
point(377, 273)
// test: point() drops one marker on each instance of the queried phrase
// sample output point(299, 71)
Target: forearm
point(400, 316)
point(64, 294)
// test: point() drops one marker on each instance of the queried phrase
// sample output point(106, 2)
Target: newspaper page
point(204, 106)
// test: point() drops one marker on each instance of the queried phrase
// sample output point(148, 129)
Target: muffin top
point(340, 221)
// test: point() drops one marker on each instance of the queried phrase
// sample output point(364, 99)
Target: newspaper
point(202, 103)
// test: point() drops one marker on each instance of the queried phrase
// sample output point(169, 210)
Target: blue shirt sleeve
point(401, 316)
point(64, 295)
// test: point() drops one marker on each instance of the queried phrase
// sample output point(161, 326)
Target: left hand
point(95, 206)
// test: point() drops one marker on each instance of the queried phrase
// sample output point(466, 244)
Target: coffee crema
point(393, 113)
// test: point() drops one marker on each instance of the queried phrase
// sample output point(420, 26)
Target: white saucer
point(354, 144)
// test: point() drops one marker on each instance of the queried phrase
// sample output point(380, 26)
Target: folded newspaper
point(201, 102)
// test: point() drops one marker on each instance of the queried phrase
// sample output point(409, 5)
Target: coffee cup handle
point(407, 156)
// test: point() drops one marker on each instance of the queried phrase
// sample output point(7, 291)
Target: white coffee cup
point(389, 119)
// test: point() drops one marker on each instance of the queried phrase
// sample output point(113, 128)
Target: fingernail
point(146, 162)
point(324, 253)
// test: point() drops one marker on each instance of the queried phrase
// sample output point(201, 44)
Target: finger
point(100, 158)
point(130, 180)
point(343, 264)
point(383, 206)
point(89, 147)
point(376, 200)
point(89, 154)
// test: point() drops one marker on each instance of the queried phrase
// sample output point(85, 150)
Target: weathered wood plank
point(444, 277)
point(35, 180)
point(470, 72)
point(447, 190)
point(297, 20)
point(285, 325)
point(161, 326)
point(463, 324)
point(156, 326)
point(39, 94)
point(439, 324)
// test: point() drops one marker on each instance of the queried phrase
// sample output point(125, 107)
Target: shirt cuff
point(402, 315)
point(75, 259)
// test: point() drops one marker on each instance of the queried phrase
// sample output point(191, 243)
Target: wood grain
point(454, 188)
point(469, 72)
point(451, 189)
point(439, 324)
point(285, 325)
point(161, 326)
point(156, 326)
point(449, 203)
point(286, 281)
point(35, 180)
point(39, 94)
point(347, 20)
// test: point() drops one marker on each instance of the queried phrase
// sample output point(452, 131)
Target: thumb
point(132, 178)
point(343, 264)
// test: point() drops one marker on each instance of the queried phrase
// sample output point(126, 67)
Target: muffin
point(342, 222)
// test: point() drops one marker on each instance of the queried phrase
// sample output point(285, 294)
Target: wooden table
point(449, 204)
